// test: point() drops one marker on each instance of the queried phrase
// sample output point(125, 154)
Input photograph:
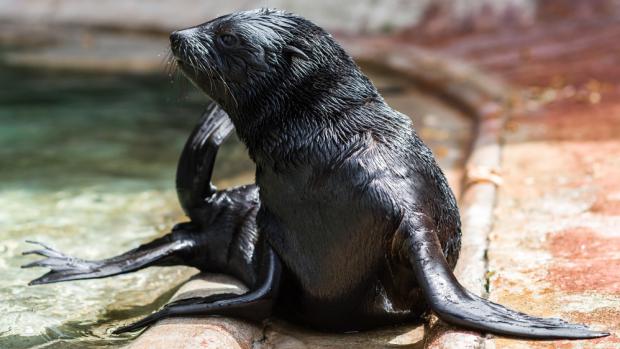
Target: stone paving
point(554, 249)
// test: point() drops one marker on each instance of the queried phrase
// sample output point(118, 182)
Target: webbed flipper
point(166, 250)
point(256, 305)
point(193, 186)
point(195, 166)
point(455, 305)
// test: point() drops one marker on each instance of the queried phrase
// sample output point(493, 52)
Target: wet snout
point(179, 38)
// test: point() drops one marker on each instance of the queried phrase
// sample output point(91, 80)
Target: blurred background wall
point(342, 15)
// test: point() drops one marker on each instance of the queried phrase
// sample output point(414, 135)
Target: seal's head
point(262, 62)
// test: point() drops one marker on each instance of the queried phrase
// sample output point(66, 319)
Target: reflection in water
point(87, 165)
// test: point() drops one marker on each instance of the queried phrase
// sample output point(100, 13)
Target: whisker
point(206, 67)
point(170, 64)
point(197, 55)
point(229, 90)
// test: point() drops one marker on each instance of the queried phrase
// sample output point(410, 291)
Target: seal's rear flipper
point(455, 305)
point(166, 250)
point(193, 187)
point(195, 166)
point(256, 305)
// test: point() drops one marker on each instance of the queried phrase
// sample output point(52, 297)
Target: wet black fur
point(323, 139)
point(350, 225)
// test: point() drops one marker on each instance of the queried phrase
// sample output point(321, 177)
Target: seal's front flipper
point(166, 250)
point(255, 305)
point(454, 304)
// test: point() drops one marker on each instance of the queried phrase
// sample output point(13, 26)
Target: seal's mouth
point(189, 55)
point(179, 62)
point(178, 43)
point(182, 62)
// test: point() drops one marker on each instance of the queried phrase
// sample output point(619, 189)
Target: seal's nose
point(175, 38)
point(179, 37)
point(181, 34)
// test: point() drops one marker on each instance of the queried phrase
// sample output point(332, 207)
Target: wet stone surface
point(554, 247)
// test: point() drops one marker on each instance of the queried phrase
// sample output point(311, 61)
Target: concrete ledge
point(207, 332)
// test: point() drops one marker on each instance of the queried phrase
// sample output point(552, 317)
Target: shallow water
point(87, 165)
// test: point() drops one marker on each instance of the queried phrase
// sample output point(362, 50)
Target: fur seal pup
point(350, 225)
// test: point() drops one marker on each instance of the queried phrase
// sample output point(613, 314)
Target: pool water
point(87, 164)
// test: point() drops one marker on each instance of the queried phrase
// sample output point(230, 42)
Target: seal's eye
point(228, 40)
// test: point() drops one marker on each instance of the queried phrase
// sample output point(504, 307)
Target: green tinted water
point(87, 165)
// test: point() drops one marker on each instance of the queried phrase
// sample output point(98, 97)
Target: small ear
point(293, 51)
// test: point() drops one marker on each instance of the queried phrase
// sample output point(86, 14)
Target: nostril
point(178, 36)
point(175, 38)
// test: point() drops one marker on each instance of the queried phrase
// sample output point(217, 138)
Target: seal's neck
point(323, 106)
